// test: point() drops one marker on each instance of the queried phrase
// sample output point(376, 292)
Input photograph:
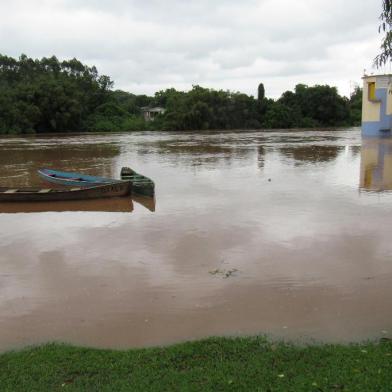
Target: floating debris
point(224, 273)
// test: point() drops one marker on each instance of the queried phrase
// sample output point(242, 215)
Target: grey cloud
point(153, 45)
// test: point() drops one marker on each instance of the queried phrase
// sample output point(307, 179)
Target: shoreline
point(185, 131)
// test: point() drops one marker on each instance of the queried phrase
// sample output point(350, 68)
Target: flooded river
point(283, 233)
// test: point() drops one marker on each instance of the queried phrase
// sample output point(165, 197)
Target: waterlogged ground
point(284, 233)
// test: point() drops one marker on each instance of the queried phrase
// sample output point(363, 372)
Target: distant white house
point(149, 113)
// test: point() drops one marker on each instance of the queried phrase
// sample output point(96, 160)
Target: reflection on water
point(145, 201)
point(311, 254)
point(376, 164)
point(312, 153)
point(116, 204)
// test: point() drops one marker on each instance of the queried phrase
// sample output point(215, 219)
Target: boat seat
point(10, 191)
point(44, 190)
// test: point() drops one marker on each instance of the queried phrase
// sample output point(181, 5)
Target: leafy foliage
point(51, 96)
point(356, 106)
point(318, 105)
point(48, 95)
point(203, 108)
point(386, 28)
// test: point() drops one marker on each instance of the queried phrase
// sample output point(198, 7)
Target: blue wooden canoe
point(74, 179)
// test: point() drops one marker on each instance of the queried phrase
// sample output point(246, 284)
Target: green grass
point(217, 364)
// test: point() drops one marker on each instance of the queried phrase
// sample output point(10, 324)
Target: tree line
point(48, 95)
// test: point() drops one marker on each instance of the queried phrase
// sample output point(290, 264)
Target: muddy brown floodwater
point(280, 233)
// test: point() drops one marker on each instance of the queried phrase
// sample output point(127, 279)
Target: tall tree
point(260, 92)
point(386, 28)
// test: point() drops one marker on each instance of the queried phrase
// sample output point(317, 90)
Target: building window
point(372, 91)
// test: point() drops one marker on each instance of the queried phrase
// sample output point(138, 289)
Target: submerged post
point(377, 105)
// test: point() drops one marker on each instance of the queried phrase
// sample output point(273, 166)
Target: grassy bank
point(243, 364)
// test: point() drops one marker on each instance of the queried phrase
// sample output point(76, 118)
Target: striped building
point(377, 105)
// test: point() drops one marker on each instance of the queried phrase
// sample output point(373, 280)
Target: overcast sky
point(149, 45)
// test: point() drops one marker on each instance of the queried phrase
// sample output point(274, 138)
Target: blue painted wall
point(375, 128)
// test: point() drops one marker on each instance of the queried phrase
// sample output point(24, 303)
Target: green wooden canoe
point(141, 185)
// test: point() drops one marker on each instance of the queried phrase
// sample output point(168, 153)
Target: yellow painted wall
point(370, 110)
point(371, 91)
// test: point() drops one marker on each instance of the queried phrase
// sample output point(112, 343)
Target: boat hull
point(73, 179)
point(118, 189)
point(141, 185)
